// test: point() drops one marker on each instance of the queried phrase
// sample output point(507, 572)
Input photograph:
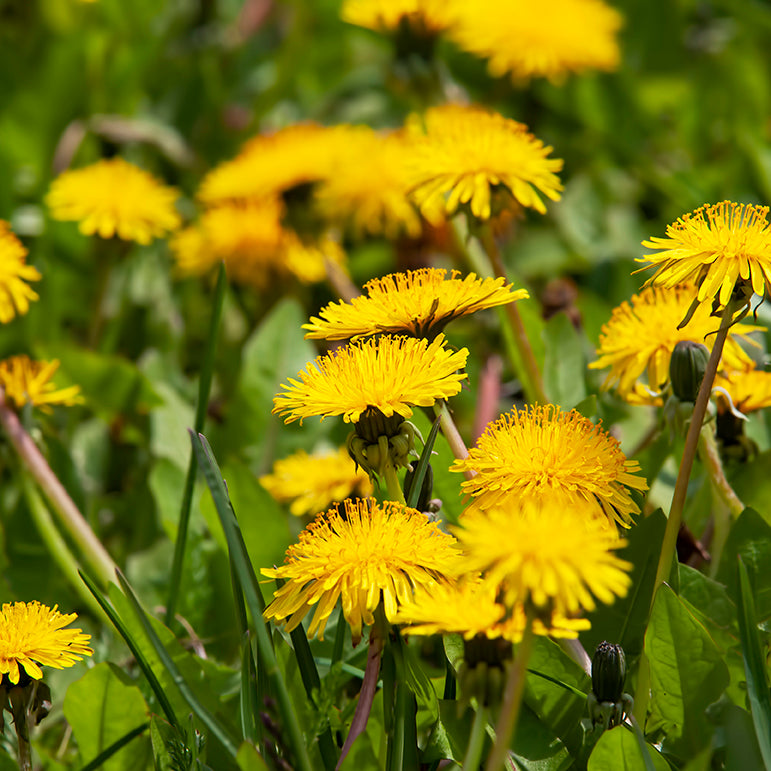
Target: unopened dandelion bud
point(608, 672)
point(686, 369)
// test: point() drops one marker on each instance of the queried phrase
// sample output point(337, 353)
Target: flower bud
point(686, 369)
point(608, 672)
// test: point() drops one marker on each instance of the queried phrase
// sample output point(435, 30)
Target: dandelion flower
point(715, 247)
point(549, 39)
point(749, 389)
point(15, 294)
point(113, 197)
point(418, 302)
point(541, 452)
point(473, 607)
point(271, 164)
point(257, 250)
point(422, 16)
point(640, 336)
point(311, 483)
point(29, 382)
point(371, 553)
point(551, 552)
point(467, 153)
point(390, 374)
point(32, 634)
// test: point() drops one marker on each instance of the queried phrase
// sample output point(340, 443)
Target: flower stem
point(452, 435)
point(18, 698)
point(69, 516)
point(512, 698)
point(710, 458)
point(393, 486)
point(529, 372)
point(204, 387)
point(689, 452)
point(476, 741)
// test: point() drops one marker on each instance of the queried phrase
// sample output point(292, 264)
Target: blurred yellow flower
point(715, 247)
point(32, 634)
point(549, 39)
point(115, 198)
point(311, 483)
point(749, 389)
point(256, 248)
point(390, 374)
point(371, 553)
point(552, 552)
point(467, 154)
point(417, 302)
point(426, 17)
point(640, 336)
point(15, 294)
point(540, 452)
point(29, 382)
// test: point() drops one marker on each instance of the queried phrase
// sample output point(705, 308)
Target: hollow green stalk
point(512, 698)
point(204, 388)
point(67, 512)
point(689, 452)
point(18, 698)
point(451, 434)
point(476, 740)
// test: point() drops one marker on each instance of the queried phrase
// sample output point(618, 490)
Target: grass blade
point(413, 494)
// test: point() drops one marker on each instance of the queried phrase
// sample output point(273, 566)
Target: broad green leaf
point(687, 673)
point(619, 750)
point(741, 740)
point(624, 621)
point(102, 707)
point(535, 745)
point(755, 665)
point(750, 537)
point(752, 484)
point(169, 424)
point(564, 365)
point(249, 759)
point(167, 481)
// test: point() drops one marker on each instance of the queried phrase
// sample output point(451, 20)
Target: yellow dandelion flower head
point(369, 191)
point(417, 302)
point(29, 382)
point(550, 39)
point(271, 164)
point(15, 294)
point(311, 483)
point(640, 336)
point(257, 250)
point(371, 553)
point(541, 452)
point(472, 607)
point(465, 153)
point(713, 248)
point(554, 552)
point(749, 389)
point(115, 198)
point(32, 634)
point(390, 374)
point(428, 17)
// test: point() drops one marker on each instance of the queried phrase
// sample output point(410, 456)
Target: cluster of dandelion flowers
point(715, 247)
point(550, 39)
point(255, 247)
point(26, 381)
point(15, 293)
point(389, 374)
point(428, 17)
point(32, 634)
point(417, 302)
point(640, 336)
point(552, 552)
point(311, 483)
point(368, 554)
point(463, 154)
point(115, 198)
point(472, 607)
point(749, 389)
point(541, 452)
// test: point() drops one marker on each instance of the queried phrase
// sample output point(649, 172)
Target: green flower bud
point(686, 369)
point(608, 672)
